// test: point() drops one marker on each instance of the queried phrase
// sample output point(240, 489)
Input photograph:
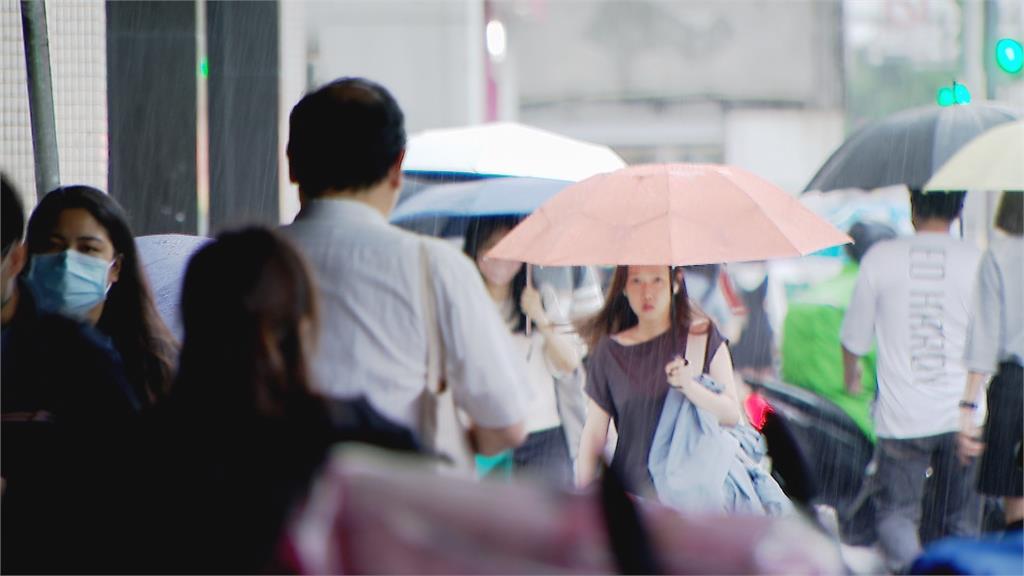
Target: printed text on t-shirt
point(927, 338)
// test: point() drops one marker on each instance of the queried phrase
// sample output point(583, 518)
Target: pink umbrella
point(668, 214)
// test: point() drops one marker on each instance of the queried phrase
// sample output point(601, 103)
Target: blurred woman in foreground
point(243, 432)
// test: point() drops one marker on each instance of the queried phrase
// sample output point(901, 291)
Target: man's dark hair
point(1010, 214)
point(344, 136)
point(942, 205)
point(13, 215)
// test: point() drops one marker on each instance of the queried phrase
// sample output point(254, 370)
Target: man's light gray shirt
point(996, 331)
point(373, 338)
point(912, 297)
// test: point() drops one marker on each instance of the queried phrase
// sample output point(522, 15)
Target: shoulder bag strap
point(693, 341)
point(707, 349)
point(435, 344)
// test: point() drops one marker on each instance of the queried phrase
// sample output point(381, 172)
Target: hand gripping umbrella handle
point(529, 282)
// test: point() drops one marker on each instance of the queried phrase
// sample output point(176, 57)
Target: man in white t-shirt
point(345, 149)
point(912, 298)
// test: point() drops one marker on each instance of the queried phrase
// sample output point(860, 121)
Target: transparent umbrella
point(165, 258)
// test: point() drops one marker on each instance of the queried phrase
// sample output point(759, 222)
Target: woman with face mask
point(83, 265)
point(647, 337)
point(551, 357)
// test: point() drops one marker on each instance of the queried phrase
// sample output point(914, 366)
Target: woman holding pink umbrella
point(645, 219)
point(638, 342)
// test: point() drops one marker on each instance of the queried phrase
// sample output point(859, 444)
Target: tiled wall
point(77, 38)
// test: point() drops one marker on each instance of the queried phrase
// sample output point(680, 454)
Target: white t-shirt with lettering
point(912, 296)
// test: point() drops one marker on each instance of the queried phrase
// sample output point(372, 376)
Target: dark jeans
point(900, 496)
point(545, 455)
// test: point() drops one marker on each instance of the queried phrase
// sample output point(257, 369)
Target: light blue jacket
point(698, 466)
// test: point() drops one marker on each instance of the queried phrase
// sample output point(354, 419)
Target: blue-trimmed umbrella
point(445, 209)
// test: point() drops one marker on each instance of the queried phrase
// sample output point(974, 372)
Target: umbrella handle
point(529, 282)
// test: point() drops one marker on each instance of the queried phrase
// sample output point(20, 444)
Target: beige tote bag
point(441, 428)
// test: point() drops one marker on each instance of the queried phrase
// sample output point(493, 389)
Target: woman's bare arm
point(560, 350)
point(725, 404)
point(592, 441)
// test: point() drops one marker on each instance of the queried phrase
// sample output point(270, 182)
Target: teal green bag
point(497, 467)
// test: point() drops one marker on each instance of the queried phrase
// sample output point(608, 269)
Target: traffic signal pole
point(40, 96)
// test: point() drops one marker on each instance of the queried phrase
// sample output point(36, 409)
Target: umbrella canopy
point(165, 257)
point(507, 149)
point(475, 198)
point(905, 148)
point(992, 161)
point(446, 210)
point(668, 214)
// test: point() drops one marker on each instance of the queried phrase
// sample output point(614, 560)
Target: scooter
point(818, 454)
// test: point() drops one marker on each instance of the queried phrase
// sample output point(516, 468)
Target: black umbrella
point(907, 147)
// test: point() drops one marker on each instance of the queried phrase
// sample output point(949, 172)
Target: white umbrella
point(507, 149)
point(992, 161)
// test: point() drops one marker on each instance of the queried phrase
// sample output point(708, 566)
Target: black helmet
point(864, 235)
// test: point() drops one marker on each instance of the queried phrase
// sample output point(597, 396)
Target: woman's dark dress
point(629, 383)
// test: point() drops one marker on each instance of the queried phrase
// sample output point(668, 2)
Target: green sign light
point(1010, 55)
point(961, 93)
point(945, 96)
point(957, 93)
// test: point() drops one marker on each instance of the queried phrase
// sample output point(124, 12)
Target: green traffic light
point(961, 93)
point(945, 96)
point(204, 68)
point(1010, 55)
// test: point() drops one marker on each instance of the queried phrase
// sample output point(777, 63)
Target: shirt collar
point(334, 209)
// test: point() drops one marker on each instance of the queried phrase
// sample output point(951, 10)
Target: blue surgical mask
point(69, 282)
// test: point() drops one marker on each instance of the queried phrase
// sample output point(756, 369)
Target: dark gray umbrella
point(907, 147)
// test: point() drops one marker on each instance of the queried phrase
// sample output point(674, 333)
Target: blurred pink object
point(371, 512)
point(668, 214)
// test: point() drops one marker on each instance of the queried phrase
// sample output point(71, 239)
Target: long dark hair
point(129, 316)
point(616, 314)
point(249, 310)
point(479, 231)
point(1010, 214)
